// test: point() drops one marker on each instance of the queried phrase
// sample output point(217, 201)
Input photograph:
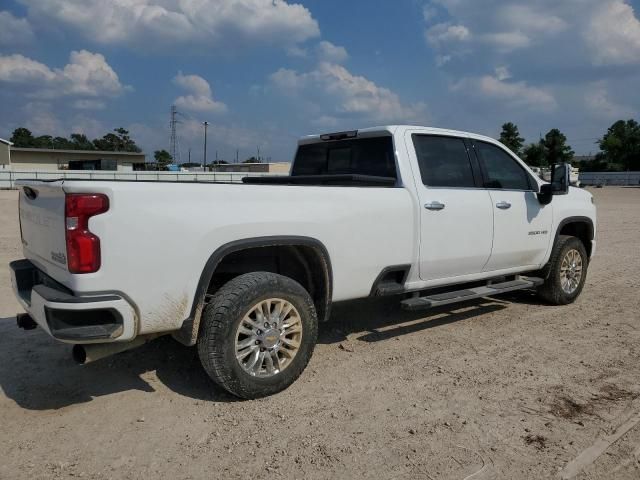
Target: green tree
point(621, 145)
point(535, 155)
point(599, 164)
point(108, 143)
point(22, 138)
point(126, 142)
point(251, 160)
point(61, 143)
point(43, 141)
point(163, 158)
point(120, 141)
point(510, 137)
point(556, 148)
point(81, 142)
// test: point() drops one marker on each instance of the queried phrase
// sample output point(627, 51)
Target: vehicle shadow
point(37, 372)
point(379, 319)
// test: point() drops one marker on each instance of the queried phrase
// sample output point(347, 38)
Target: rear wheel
point(567, 271)
point(257, 334)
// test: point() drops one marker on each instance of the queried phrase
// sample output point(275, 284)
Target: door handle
point(503, 205)
point(434, 206)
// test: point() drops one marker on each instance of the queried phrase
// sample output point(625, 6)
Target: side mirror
point(546, 194)
point(560, 178)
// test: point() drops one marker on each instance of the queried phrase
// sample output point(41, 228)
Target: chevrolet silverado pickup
point(246, 271)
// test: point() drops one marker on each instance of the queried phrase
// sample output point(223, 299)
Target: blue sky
point(264, 72)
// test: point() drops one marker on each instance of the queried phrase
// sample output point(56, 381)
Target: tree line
point(619, 148)
point(118, 141)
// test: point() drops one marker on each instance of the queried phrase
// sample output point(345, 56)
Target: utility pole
point(237, 153)
point(189, 154)
point(204, 165)
point(258, 155)
point(173, 144)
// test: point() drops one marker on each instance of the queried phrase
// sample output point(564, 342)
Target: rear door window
point(362, 156)
point(443, 161)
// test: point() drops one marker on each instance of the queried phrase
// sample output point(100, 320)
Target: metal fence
point(8, 177)
point(609, 178)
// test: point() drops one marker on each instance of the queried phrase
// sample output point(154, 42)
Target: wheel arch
point(313, 271)
point(576, 226)
point(579, 227)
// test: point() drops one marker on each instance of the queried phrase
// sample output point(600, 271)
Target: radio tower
point(174, 149)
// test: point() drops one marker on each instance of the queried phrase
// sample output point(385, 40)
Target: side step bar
point(438, 299)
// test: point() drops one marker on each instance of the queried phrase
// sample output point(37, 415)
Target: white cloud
point(228, 135)
point(613, 34)
point(505, 42)
point(329, 52)
point(13, 30)
point(516, 95)
point(19, 69)
point(150, 24)
point(87, 74)
point(89, 126)
point(445, 34)
point(525, 18)
point(296, 51)
point(40, 119)
point(599, 102)
point(458, 38)
point(85, 104)
point(442, 60)
point(429, 12)
point(505, 26)
point(199, 97)
point(345, 94)
point(503, 73)
point(326, 121)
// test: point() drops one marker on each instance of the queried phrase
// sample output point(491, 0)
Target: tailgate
point(42, 228)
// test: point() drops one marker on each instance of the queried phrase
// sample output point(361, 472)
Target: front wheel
point(257, 334)
point(567, 271)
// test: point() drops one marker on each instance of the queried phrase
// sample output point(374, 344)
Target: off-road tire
point(220, 319)
point(551, 290)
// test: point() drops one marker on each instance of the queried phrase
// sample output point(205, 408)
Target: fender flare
point(576, 219)
point(566, 221)
point(188, 332)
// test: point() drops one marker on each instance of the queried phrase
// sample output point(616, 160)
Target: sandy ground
point(507, 388)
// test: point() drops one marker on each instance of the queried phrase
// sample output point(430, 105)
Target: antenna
point(174, 149)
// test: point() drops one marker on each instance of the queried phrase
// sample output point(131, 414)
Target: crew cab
point(246, 271)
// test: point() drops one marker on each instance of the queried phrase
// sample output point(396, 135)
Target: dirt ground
point(503, 388)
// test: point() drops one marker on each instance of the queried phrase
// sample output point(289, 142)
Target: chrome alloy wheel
point(571, 271)
point(268, 337)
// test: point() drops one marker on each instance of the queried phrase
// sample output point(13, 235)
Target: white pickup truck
point(246, 271)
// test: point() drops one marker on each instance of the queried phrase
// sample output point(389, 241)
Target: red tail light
point(83, 247)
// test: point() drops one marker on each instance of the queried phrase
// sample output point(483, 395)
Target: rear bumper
point(68, 317)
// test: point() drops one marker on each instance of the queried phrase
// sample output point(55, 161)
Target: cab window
point(443, 161)
point(502, 170)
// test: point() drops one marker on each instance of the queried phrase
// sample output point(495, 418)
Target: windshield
point(361, 156)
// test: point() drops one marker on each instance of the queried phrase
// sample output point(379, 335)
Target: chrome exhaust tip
point(83, 354)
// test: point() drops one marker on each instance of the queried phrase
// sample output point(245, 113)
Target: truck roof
point(391, 129)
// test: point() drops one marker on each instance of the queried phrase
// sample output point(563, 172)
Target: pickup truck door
point(456, 217)
point(521, 225)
